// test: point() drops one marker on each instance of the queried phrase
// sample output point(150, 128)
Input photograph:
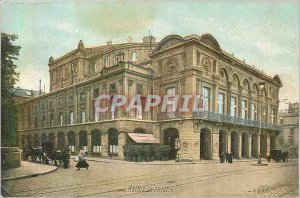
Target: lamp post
point(261, 89)
point(177, 147)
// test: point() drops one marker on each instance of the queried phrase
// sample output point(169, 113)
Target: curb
point(28, 176)
point(175, 163)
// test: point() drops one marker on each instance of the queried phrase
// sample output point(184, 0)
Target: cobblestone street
point(136, 179)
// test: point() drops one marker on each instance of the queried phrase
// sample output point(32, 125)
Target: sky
point(265, 34)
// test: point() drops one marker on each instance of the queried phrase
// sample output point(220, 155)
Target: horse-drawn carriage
point(278, 155)
point(45, 154)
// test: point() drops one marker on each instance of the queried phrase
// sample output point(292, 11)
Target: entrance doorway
point(170, 136)
point(244, 145)
point(205, 144)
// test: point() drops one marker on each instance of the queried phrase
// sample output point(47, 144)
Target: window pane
point(221, 103)
point(232, 106)
point(206, 99)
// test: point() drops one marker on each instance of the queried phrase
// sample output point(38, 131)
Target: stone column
point(89, 142)
point(66, 141)
point(121, 143)
point(194, 56)
point(55, 142)
point(76, 142)
point(104, 145)
point(249, 145)
point(240, 145)
point(215, 146)
point(258, 144)
point(228, 142)
point(268, 143)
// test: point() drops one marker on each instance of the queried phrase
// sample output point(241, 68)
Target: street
point(136, 179)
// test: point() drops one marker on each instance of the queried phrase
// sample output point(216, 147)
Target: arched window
point(83, 140)
point(44, 138)
point(60, 140)
point(96, 141)
point(113, 142)
point(36, 140)
point(71, 141)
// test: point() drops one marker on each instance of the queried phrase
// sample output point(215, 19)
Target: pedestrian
point(65, 158)
point(227, 157)
point(230, 158)
point(81, 162)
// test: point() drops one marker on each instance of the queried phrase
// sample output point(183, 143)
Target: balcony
point(216, 117)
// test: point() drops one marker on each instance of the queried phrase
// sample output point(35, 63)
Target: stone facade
point(232, 101)
point(289, 138)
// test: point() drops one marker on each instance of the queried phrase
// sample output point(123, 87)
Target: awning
point(143, 138)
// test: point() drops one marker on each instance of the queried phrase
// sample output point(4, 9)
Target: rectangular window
point(273, 116)
point(133, 56)
point(112, 88)
point(170, 107)
point(50, 104)
point(221, 104)
point(60, 103)
point(206, 98)
point(116, 59)
point(74, 67)
point(35, 122)
point(51, 120)
point(244, 109)
point(252, 111)
point(93, 67)
point(82, 96)
point(105, 61)
point(61, 119)
point(43, 121)
point(71, 117)
point(71, 101)
point(139, 111)
point(232, 106)
point(139, 88)
point(82, 116)
point(43, 107)
point(96, 92)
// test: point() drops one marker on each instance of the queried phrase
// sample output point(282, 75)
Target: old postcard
point(149, 98)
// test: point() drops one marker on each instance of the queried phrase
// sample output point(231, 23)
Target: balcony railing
point(216, 117)
point(205, 115)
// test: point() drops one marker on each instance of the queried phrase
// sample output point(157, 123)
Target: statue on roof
point(80, 45)
point(51, 59)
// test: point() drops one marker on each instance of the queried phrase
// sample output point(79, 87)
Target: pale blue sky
point(264, 34)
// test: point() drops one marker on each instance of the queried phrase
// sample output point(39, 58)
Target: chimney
point(40, 89)
point(129, 39)
point(109, 42)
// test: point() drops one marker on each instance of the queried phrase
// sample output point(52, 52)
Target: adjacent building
point(289, 138)
point(239, 102)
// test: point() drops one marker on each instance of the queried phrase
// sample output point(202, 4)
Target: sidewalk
point(168, 162)
point(26, 170)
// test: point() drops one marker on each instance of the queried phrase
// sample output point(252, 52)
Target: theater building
point(239, 102)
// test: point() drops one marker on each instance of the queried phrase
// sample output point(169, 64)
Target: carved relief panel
point(206, 63)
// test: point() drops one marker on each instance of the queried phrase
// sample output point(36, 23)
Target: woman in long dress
point(81, 163)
